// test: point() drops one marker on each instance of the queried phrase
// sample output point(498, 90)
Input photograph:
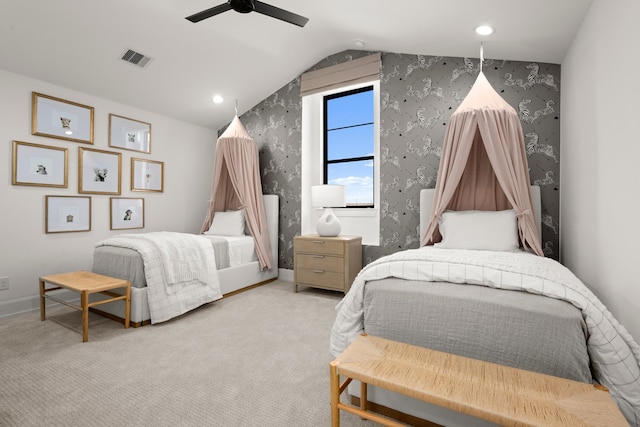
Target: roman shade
point(484, 164)
point(237, 185)
point(361, 70)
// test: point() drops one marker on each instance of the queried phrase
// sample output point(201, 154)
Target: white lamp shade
point(328, 196)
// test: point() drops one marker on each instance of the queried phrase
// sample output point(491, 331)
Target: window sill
point(359, 212)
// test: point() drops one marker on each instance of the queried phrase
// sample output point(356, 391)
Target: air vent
point(135, 58)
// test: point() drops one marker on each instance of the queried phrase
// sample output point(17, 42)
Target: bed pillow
point(481, 230)
point(230, 223)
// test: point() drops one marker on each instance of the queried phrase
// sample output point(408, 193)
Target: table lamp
point(328, 196)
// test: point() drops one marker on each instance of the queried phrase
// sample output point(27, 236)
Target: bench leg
point(363, 396)
point(127, 307)
point(85, 316)
point(43, 314)
point(334, 378)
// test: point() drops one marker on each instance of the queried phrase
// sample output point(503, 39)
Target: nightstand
point(326, 262)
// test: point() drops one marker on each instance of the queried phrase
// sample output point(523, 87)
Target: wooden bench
point(86, 283)
point(496, 393)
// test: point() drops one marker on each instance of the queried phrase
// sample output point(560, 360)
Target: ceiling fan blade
point(283, 15)
point(197, 17)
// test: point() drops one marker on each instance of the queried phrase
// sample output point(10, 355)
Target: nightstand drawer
point(320, 246)
point(322, 278)
point(320, 262)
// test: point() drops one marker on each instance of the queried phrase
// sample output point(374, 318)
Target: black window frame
point(325, 161)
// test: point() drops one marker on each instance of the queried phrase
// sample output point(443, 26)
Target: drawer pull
point(318, 241)
point(317, 256)
point(319, 271)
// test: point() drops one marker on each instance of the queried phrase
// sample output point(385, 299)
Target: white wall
point(600, 152)
point(26, 252)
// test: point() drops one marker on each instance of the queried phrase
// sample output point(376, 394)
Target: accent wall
point(418, 95)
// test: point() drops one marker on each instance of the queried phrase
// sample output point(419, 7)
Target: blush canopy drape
point(237, 185)
point(484, 164)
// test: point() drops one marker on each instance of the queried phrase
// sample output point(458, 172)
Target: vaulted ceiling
point(78, 44)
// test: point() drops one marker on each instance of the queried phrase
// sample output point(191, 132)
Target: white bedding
point(241, 249)
point(615, 357)
point(180, 270)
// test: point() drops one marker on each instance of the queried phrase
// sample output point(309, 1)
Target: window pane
point(350, 142)
point(350, 110)
point(357, 177)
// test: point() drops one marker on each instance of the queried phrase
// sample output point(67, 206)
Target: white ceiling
point(78, 44)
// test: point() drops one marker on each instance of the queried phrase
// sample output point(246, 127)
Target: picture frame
point(126, 213)
point(129, 134)
point(147, 175)
point(58, 118)
point(65, 214)
point(39, 165)
point(99, 171)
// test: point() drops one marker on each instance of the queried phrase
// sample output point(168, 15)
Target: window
point(349, 144)
point(356, 220)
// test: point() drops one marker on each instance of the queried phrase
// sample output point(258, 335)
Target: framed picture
point(126, 212)
point(40, 165)
point(64, 214)
point(98, 171)
point(58, 118)
point(129, 134)
point(147, 175)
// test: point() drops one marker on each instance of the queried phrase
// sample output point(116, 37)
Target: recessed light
point(484, 30)
point(217, 99)
point(358, 43)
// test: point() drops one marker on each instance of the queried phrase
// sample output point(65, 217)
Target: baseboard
point(32, 303)
point(285, 274)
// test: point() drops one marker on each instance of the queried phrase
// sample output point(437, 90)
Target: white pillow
point(482, 230)
point(230, 223)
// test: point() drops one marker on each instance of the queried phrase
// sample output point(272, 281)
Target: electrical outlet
point(4, 283)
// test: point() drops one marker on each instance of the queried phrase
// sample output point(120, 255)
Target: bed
point(238, 270)
point(507, 307)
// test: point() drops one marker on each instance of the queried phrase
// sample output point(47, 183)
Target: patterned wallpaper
point(418, 95)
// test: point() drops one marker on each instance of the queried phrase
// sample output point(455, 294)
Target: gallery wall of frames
point(99, 171)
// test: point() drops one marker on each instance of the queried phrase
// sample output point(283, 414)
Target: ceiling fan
point(246, 6)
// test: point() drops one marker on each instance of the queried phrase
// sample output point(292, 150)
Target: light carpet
point(258, 358)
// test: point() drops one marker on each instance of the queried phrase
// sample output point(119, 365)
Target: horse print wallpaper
point(418, 95)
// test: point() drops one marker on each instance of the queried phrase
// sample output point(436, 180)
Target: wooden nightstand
point(326, 262)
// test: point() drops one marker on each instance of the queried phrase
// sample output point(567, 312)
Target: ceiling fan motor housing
point(242, 6)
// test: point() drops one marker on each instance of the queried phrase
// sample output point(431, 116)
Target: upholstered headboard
point(426, 205)
point(272, 212)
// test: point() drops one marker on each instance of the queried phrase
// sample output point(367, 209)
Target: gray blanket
point(221, 249)
point(511, 328)
point(125, 263)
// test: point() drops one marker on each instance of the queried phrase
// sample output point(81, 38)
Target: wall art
point(39, 165)
point(64, 214)
point(129, 134)
point(62, 119)
point(126, 213)
point(147, 175)
point(98, 171)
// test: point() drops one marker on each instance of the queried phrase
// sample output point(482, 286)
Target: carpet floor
point(258, 358)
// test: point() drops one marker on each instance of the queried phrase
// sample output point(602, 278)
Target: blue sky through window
point(350, 135)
